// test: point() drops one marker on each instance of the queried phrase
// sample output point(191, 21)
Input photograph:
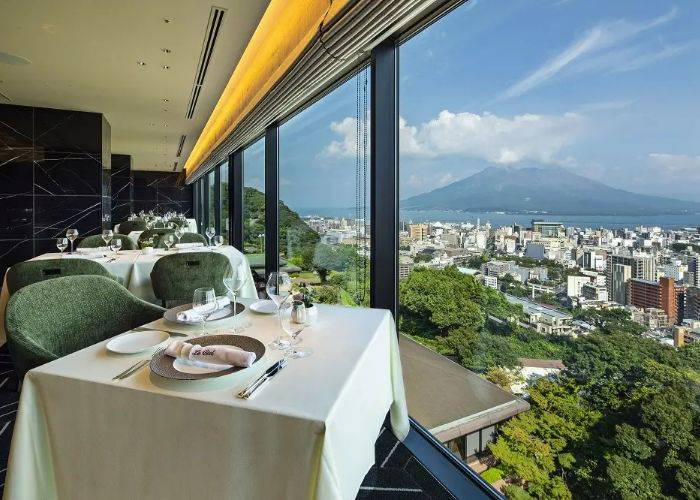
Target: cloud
point(684, 167)
point(499, 140)
point(598, 48)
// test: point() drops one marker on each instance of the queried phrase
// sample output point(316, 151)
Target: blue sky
point(607, 89)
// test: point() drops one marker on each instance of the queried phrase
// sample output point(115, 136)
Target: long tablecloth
point(134, 268)
point(191, 226)
point(309, 434)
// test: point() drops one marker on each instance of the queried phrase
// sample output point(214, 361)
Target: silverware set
point(263, 379)
point(132, 369)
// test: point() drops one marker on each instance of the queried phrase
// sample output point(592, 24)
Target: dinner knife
point(269, 373)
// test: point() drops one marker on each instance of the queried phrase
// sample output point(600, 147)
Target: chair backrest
point(132, 225)
point(96, 241)
point(175, 277)
point(33, 271)
point(153, 234)
point(50, 319)
point(186, 238)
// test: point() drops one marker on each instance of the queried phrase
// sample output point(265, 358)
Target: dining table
point(309, 433)
point(191, 226)
point(133, 269)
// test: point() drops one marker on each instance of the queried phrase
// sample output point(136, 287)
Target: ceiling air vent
point(216, 17)
point(179, 147)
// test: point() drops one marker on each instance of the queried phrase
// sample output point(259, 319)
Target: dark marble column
point(52, 169)
point(122, 188)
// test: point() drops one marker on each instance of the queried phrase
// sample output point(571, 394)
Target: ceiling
point(84, 55)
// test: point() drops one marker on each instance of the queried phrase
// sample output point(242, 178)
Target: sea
point(499, 219)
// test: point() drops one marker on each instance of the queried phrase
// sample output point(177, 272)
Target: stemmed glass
point(107, 236)
point(168, 241)
point(235, 282)
point(279, 287)
point(210, 232)
point(116, 245)
point(292, 316)
point(218, 241)
point(204, 303)
point(61, 244)
point(178, 232)
point(72, 235)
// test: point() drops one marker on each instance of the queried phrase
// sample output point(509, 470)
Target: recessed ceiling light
point(166, 20)
point(165, 66)
point(165, 109)
point(166, 50)
point(141, 63)
point(165, 99)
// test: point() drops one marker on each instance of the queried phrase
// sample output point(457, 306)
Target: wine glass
point(168, 241)
point(218, 241)
point(178, 232)
point(72, 235)
point(61, 244)
point(292, 316)
point(204, 303)
point(235, 282)
point(107, 236)
point(116, 245)
point(279, 288)
point(210, 232)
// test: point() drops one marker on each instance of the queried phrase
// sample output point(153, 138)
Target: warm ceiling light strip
point(284, 32)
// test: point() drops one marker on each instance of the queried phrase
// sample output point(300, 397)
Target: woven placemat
point(162, 364)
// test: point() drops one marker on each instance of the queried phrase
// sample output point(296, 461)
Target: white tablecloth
point(134, 268)
point(191, 226)
point(309, 434)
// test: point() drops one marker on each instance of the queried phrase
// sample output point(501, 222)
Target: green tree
point(333, 258)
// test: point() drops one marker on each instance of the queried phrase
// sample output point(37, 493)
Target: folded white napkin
point(194, 315)
point(212, 354)
point(189, 245)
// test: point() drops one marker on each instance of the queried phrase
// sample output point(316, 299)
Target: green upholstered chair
point(154, 234)
point(186, 238)
point(175, 277)
point(132, 225)
point(96, 241)
point(50, 319)
point(33, 271)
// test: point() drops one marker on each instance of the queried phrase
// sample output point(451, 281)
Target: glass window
point(548, 242)
point(212, 201)
point(254, 205)
point(324, 200)
point(225, 227)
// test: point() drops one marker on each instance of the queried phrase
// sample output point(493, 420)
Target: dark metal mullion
point(235, 175)
point(271, 198)
point(384, 188)
point(205, 203)
point(217, 199)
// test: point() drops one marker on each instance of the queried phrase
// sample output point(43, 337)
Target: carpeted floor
point(396, 474)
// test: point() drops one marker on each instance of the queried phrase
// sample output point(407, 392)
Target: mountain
point(551, 190)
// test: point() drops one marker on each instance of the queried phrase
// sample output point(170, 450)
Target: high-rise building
point(655, 294)
point(640, 267)
point(692, 303)
point(548, 229)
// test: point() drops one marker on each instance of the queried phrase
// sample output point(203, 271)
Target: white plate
point(263, 307)
point(185, 367)
point(133, 342)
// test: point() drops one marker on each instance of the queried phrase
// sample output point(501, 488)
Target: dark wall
point(159, 191)
point(54, 166)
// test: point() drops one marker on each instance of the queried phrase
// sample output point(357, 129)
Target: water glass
point(116, 245)
point(72, 235)
point(61, 244)
point(204, 302)
point(210, 232)
point(107, 236)
point(290, 316)
point(178, 232)
point(168, 241)
point(279, 288)
point(218, 241)
point(235, 282)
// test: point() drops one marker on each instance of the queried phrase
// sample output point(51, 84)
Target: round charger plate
point(225, 313)
point(162, 364)
point(133, 342)
point(263, 307)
